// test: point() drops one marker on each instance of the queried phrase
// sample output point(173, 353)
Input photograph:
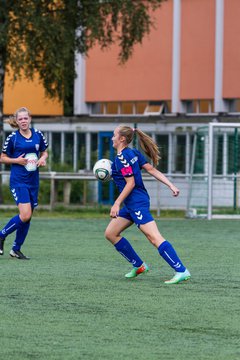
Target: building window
point(237, 105)
point(167, 107)
point(233, 105)
point(205, 106)
point(140, 107)
point(127, 108)
point(97, 108)
point(199, 106)
point(154, 108)
point(112, 108)
point(131, 108)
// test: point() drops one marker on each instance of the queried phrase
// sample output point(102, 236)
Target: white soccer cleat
point(178, 277)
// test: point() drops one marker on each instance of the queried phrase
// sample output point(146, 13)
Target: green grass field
point(71, 300)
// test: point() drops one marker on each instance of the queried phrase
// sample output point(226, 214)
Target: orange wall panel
point(146, 76)
point(231, 50)
point(197, 49)
point(31, 95)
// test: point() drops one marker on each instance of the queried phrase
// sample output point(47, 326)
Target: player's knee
point(109, 235)
point(26, 217)
point(154, 241)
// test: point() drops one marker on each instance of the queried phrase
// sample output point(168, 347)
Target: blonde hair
point(147, 144)
point(12, 120)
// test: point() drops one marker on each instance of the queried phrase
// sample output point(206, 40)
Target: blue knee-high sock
point(127, 251)
point(21, 235)
point(168, 253)
point(11, 226)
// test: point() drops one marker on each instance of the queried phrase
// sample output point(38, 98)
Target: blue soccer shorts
point(139, 216)
point(24, 195)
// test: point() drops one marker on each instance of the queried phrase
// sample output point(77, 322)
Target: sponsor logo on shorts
point(14, 194)
point(139, 215)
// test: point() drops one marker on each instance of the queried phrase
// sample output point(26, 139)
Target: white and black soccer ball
point(103, 170)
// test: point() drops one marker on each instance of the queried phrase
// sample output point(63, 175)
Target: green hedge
point(76, 197)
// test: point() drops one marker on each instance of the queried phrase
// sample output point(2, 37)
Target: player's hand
point(21, 160)
point(175, 190)
point(114, 211)
point(41, 162)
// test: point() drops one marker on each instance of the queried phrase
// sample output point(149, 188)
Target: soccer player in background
point(25, 150)
point(126, 173)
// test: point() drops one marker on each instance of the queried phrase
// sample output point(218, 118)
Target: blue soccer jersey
point(129, 163)
point(16, 145)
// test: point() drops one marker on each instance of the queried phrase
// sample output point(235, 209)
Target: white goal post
point(214, 185)
point(234, 176)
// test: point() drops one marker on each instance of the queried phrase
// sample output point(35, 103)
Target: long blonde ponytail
point(147, 144)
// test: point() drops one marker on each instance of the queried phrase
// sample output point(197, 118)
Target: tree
point(43, 36)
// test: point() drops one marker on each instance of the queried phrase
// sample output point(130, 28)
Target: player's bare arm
point(19, 160)
point(42, 159)
point(130, 184)
point(151, 170)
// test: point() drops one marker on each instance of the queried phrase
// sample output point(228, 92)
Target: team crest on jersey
point(37, 147)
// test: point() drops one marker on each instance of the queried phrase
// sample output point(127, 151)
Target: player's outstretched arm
point(151, 170)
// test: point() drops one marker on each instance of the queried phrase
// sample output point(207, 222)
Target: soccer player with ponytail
point(25, 150)
point(126, 173)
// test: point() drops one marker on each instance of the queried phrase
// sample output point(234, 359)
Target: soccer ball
point(103, 170)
